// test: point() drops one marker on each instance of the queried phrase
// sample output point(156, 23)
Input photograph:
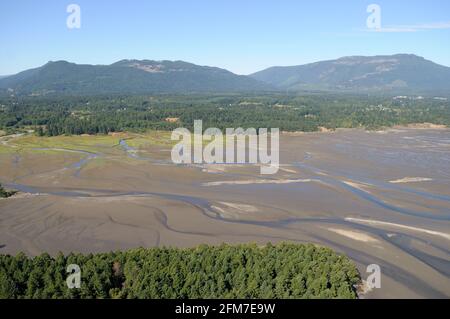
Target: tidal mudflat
point(379, 197)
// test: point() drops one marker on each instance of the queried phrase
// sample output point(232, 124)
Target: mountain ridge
point(405, 73)
point(128, 77)
point(398, 72)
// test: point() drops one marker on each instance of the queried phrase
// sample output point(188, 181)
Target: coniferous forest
point(243, 271)
point(51, 116)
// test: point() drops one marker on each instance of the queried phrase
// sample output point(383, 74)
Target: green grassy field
point(88, 143)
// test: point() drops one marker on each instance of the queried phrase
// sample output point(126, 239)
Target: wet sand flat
point(379, 197)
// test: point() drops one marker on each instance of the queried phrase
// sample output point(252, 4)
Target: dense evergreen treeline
point(244, 271)
point(92, 115)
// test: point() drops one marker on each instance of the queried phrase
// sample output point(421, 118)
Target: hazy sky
point(242, 36)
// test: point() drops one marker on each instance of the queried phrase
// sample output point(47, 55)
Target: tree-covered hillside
point(243, 271)
point(126, 77)
point(401, 73)
point(383, 73)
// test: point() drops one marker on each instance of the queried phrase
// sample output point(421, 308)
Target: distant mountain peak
point(60, 62)
point(361, 73)
point(127, 77)
point(380, 73)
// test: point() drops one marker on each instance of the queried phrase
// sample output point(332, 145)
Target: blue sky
point(242, 36)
